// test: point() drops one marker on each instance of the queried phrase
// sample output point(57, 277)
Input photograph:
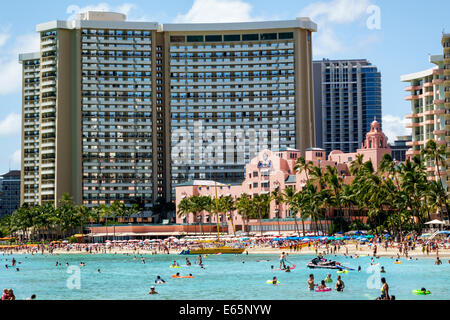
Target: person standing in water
point(311, 283)
point(282, 261)
point(384, 290)
point(340, 284)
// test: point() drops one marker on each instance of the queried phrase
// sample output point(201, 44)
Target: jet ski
point(320, 263)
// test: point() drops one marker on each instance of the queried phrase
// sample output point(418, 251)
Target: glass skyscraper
point(347, 99)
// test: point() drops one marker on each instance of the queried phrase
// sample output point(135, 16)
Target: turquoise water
point(225, 278)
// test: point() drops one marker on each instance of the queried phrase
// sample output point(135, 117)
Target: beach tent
point(435, 222)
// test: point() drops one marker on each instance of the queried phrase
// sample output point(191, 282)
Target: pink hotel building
point(271, 171)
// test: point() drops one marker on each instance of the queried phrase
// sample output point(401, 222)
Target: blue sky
point(398, 43)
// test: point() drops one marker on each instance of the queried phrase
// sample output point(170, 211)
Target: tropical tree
point(244, 208)
point(261, 205)
point(278, 198)
point(228, 206)
point(302, 165)
point(290, 197)
point(438, 155)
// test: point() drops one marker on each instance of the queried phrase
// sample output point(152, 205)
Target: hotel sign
point(265, 165)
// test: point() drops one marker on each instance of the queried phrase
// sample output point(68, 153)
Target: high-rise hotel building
point(105, 99)
point(430, 105)
point(347, 99)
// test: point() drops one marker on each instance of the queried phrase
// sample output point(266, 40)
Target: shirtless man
point(311, 284)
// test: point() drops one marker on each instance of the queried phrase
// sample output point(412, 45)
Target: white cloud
point(11, 70)
point(205, 11)
point(337, 11)
point(328, 15)
point(3, 38)
point(11, 125)
point(125, 8)
point(15, 159)
point(395, 126)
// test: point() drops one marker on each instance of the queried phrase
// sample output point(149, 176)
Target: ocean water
point(225, 277)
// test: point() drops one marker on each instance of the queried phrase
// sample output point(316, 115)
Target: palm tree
point(278, 198)
point(312, 202)
point(244, 208)
point(356, 164)
point(229, 206)
point(438, 155)
point(303, 165)
point(185, 208)
point(289, 197)
point(335, 183)
point(261, 205)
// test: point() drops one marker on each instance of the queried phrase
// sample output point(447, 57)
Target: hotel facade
point(270, 171)
point(106, 102)
point(430, 106)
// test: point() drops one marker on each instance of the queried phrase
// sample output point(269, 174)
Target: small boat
point(216, 250)
point(318, 263)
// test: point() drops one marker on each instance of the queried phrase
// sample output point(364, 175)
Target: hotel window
point(232, 37)
point(195, 38)
point(250, 37)
point(269, 36)
point(213, 38)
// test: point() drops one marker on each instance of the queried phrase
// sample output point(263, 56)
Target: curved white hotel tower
point(105, 99)
point(430, 106)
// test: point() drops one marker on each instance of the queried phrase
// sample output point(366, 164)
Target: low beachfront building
point(273, 171)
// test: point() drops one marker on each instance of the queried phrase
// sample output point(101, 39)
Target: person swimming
point(274, 280)
point(159, 280)
point(288, 269)
point(322, 285)
point(188, 263)
point(382, 270)
point(425, 291)
point(152, 291)
point(328, 278)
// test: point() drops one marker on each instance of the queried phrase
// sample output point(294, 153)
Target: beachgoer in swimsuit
point(311, 284)
point(384, 290)
point(340, 284)
point(152, 291)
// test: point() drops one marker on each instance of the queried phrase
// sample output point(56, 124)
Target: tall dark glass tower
point(347, 99)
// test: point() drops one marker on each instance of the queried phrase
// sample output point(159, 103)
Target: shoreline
point(390, 253)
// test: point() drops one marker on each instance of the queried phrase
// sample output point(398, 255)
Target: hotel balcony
point(413, 115)
point(411, 88)
point(413, 97)
point(412, 143)
point(412, 152)
point(439, 101)
point(439, 132)
point(439, 111)
point(438, 71)
point(438, 81)
point(413, 125)
point(428, 84)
